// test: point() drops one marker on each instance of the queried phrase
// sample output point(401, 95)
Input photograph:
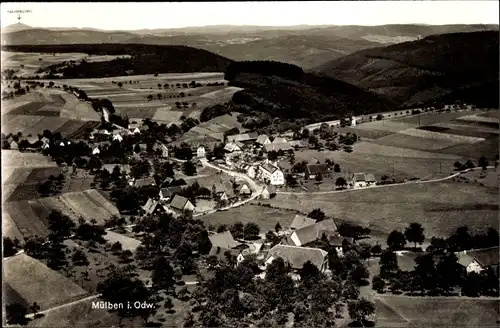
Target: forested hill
point(145, 59)
point(446, 66)
point(284, 91)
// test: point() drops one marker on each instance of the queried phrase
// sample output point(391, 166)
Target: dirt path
point(31, 315)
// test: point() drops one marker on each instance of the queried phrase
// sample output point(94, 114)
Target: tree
point(277, 227)
point(16, 314)
point(341, 182)
point(379, 117)
point(162, 276)
point(9, 247)
point(120, 84)
point(251, 230)
point(169, 304)
point(309, 272)
point(336, 168)
point(415, 233)
point(237, 230)
point(426, 272)
point(483, 162)
point(359, 309)
point(378, 284)
point(396, 240)
point(189, 168)
point(437, 246)
point(471, 287)
point(317, 214)
point(388, 263)
point(318, 178)
point(448, 271)
point(79, 258)
point(34, 308)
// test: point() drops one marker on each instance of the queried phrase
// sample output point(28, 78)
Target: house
point(149, 181)
point(338, 242)
point(243, 138)
point(45, 140)
point(117, 136)
point(267, 192)
point(223, 240)
point(279, 140)
point(163, 148)
point(14, 145)
point(124, 168)
point(232, 147)
point(312, 170)
point(181, 204)
point(298, 144)
point(310, 233)
point(251, 172)
point(244, 190)
point(301, 221)
point(353, 121)
point(298, 256)
point(479, 259)
point(360, 180)
point(222, 253)
point(96, 150)
point(222, 196)
point(262, 140)
point(272, 174)
point(105, 114)
point(200, 151)
point(167, 193)
point(284, 146)
point(152, 207)
point(45, 145)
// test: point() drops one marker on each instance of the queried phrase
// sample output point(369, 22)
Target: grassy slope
point(440, 207)
point(425, 69)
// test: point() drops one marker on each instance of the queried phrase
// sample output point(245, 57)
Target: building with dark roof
point(312, 170)
point(181, 204)
point(298, 256)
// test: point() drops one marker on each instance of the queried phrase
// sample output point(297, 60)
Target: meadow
point(440, 207)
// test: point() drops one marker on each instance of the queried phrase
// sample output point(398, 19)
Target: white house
point(251, 172)
point(279, 140)
point(272, 174)
point(96, 151)
point(105, 114)
point(353, 121)
point(200, 151)
point(361, 180)
point(298, 256)
point(263, 140)
point(118, 137)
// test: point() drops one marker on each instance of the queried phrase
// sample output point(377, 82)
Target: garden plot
point(25, 219)
point(457, 139)
point(478, 118)
point(166, 114)
point(23, 123)
point(35, 282)
point(16, 159)
point(371, 148)
point(9, 227)
point(385, 125)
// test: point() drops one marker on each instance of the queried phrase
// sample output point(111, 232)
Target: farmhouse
point(271, 174)
point(117, 136)
point(480, 259)
point(301, 221)
point(153, 207)
point(168, 193)
point(124, 168)
point(312, 170)
point(244, 190)
point(279, 140)
point(284, 146)
point(267, 192)
point(360, 180)
point(200, 151)
point(243, 138)
point(13, 145)
point(222, 253)
point(223, 240)
point(149, 181)
point(232, 147)
point(310, 233)
point(181, 204)
point(298, 256)
point(163, 148)
point(262, 140)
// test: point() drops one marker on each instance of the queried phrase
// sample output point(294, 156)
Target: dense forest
point(276, 90)
point(145, 59)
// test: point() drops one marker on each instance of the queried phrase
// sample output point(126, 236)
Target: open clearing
point(435, 312)
point(35, 282)
point(265, 217)
point(127, 243)
point(440, 207)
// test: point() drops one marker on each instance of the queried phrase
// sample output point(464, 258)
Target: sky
point(134, 16)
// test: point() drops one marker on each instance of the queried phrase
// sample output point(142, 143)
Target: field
point(29, 217)
point(265, 217)
point(35, 282)
point(212, 130)
point(440, 207)
point(127, 242)
point(131, 98)
point(436, 312)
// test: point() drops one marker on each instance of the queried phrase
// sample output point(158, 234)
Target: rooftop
point(297, 256)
